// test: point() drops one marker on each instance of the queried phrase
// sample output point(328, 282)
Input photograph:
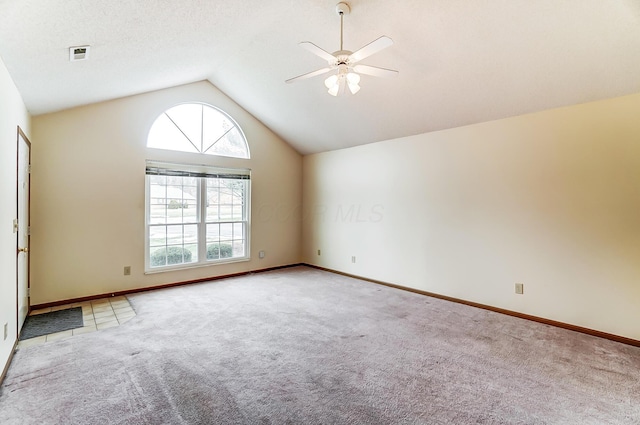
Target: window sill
point(195, 266)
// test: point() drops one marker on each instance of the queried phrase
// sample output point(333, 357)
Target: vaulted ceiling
point(460, 62)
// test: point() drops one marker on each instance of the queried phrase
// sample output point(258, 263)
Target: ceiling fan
point(346, 62)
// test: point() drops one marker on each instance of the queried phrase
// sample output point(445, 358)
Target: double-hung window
point(195, 215)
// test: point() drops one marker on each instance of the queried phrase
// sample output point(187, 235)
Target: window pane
point(213, 251)
point(197, 127)
point(217, 251)
point(226, 212)
point(238, 231)
point(180, 199)
point(191, 234)
point(226, 250)
point(189, 188)
point(190, 212)
point(213, 198)
point(157, 236)
point(213, 213)
point(165, 135)
point(213, 183)
point(174, 214)
point(188, 117)
point(238, 248)
point(193, 250)
point(158, 257)
point(157, 214)
point(226, 231)
point(213, 233)
point(174, 191)
point(177, 255)
point(213, 195)
point(158, 180)
point(157, 194)
point(238, 212)
point(174, 235)
point(214, 127)
point(231, 144)
point(226, 194)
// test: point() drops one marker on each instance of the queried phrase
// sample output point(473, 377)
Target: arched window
point(198, 128)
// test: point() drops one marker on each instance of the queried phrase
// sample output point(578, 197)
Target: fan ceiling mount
point(346, 62)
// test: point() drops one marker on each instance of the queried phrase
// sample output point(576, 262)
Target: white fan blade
point(308, 75)
point(375, 71)
point(374, 47)
point(318, 51)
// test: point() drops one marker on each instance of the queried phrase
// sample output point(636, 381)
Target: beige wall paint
point(88, 194)
point(13, 113)
point(550, 199)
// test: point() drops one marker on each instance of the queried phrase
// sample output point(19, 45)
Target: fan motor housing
point(342, 56)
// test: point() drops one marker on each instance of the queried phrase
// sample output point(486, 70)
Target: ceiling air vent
point(78, 53)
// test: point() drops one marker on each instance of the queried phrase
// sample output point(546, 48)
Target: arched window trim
point(202, 150)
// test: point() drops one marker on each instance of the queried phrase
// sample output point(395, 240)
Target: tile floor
point(96, 315)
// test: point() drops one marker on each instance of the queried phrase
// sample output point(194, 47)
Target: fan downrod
point(342, 9)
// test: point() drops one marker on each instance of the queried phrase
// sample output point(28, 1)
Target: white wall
point(550, 199)
point(12, 113)
point(88, 194)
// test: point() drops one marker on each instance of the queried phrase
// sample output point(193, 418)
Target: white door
point(24, 155)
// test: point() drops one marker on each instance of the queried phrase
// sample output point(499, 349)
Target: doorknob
point(23, 249)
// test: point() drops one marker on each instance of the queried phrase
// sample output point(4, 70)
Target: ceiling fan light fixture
point(331, 81)
point(345, 61)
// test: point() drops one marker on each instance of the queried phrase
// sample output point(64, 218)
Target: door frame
point(22, 137)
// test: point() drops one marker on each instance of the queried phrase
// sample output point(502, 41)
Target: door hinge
point(28, 230)
point(16, 226)
point(29, 168)
point(28, 292)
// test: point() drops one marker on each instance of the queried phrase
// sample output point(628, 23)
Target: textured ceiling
point(460, 61)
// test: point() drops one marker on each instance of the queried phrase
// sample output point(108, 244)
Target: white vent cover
point(78, 53)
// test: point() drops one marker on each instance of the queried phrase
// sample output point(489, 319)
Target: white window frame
point(197, 140)
point(201, 172)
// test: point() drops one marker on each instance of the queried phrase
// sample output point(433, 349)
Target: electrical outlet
point(318, 252)
point(6, 331)
point(519, 288)
point(353, 259)
point(261, 254)
point(127, 270)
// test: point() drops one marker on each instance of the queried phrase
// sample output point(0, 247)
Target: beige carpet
point(302, 346)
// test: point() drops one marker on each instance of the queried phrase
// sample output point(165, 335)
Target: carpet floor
point(303, 346)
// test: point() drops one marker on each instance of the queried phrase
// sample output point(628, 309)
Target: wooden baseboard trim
point(592, 332)
point(6, 366)
point(153, 288)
